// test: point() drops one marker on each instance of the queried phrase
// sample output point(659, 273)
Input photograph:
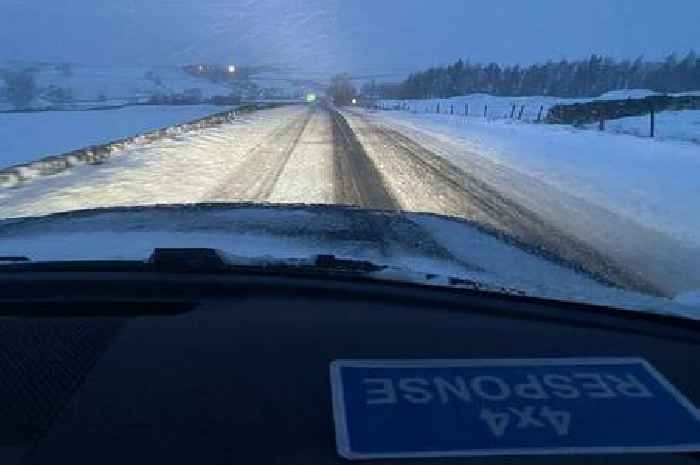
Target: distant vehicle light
point(354, 101)
point(311, 97)
point(231, 69)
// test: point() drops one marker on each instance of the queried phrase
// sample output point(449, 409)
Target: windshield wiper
point(212, 261)
point(13, 259)
point(197, 260)
point(331, 262)
point(187, 261)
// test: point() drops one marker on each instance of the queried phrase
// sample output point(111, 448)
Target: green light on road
point(310, 97)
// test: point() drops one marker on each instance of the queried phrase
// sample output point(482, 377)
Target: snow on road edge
point(648, 181)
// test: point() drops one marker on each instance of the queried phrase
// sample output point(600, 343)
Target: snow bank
point(25, 137)
point(625, 94)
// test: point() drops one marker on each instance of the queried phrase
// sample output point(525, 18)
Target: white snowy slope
point(650, 182)
point(26, 137)
point(671, 125)
point(183, 170)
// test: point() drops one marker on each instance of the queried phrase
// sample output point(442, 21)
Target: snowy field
point(501, 107)
point(90, 85)
point(673, 125)
point(26, 137)
point(651, 182)
point(121, 82)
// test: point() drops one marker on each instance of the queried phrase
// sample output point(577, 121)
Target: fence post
point(438, 108)
point(652, 122)
point(466, 109)
point(486, 111)
point(601, 125)
point(539, 115)
point(522, 110)
point(512, 112)
point(452, 109)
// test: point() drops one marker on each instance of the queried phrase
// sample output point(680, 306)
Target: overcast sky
point(359, 36)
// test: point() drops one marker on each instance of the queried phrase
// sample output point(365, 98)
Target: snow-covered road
point(312, 154)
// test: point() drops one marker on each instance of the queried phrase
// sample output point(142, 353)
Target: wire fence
point(488, 111)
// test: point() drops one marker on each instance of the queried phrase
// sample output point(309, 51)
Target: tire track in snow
point(359, 182)
point(256, 177)
point(357, 179)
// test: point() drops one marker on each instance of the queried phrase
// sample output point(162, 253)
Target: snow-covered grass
point(677, 125)
point(26, 137)
point(651, 182)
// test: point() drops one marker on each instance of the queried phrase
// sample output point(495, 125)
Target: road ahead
point(315, 154)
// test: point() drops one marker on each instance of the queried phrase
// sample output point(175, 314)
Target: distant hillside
point(42, 85)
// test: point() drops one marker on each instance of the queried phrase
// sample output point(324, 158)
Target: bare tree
point(341, 90)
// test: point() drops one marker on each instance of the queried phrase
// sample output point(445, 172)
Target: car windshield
point(511, 142)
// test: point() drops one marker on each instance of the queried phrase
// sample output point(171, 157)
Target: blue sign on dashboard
point(443, 408)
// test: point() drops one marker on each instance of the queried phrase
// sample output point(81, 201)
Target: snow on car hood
point(418, 243)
